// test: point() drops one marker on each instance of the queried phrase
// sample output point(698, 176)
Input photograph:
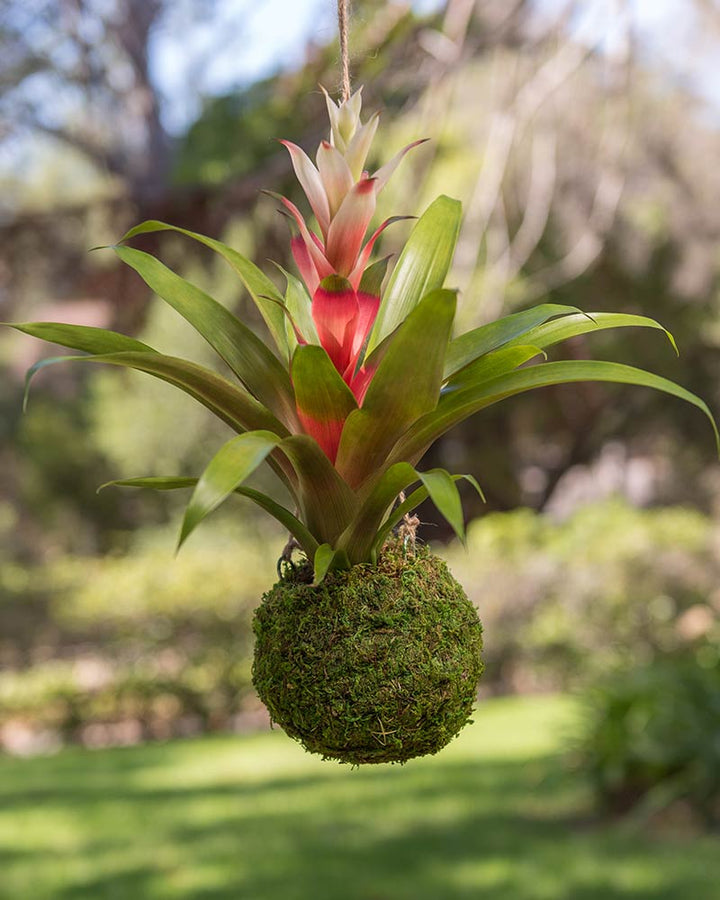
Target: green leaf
point(324, 555)
point(152, 483)
point(320, 392)
point(561, 329)
point(326, 500)
point(444, 494)
point(326, 560)
point(405, 387)
point(474, 482)
point(232, 464)
point(491, 365)
point(457, 406)
point(469, 346)
point(230, 402)
point(373, 277)
point(248, 357)
point(279, 512)
point(256, 282)
point(80, 337)
point(421, 268)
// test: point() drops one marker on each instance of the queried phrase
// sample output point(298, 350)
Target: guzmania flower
point(342, 195)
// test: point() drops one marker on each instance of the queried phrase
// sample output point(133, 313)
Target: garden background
point(135, 760)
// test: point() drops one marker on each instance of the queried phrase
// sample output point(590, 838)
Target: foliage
point(344, 412)
point(378, 664)
point(563, 603)
point(610, 586)
point(149, 642)
point(651, 736)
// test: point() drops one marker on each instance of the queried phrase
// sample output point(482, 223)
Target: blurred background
point(583, 139)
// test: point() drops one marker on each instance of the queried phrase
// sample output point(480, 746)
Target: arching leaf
point(81, 337)
point(417, 497)
point(248, 357)
point(283, 515)
point(361, 536)
point(457, 406)
point(421, 268)
point(570, 326)
point(473, 344)
point(256, 282)
point(234, 462)
point(230, 402)
point(491, 365)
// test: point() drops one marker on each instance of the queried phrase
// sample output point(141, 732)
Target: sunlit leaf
point(469, 346)
point(454, 407)
point(569, 326)
point(421, 268)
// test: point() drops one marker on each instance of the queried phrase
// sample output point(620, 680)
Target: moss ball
point(379, 663)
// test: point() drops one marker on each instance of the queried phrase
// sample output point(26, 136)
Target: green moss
point(377, 664)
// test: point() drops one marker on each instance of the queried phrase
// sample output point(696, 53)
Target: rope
point(343, 17)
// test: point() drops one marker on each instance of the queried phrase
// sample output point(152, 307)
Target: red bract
point(342, 197)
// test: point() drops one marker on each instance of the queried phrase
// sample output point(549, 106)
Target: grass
point(494, 816)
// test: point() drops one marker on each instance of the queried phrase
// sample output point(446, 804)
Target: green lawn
point(493, 817)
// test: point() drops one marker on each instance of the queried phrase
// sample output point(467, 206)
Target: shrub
point(165, 642)
point(651, 736)
point(162, 643)
point(564, 602)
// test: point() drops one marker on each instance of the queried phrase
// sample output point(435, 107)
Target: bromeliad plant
point(362, 382)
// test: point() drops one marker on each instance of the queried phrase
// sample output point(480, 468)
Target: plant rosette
point(367, 652)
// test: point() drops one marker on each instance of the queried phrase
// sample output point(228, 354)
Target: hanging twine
point(343, 17)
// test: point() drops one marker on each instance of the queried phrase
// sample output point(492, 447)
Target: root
point(407, 532)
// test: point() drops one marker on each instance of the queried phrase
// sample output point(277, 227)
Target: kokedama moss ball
point(379, 663)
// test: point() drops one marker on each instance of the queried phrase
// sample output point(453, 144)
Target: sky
point(665, 32)
point(270, 35)
point(259, 38)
